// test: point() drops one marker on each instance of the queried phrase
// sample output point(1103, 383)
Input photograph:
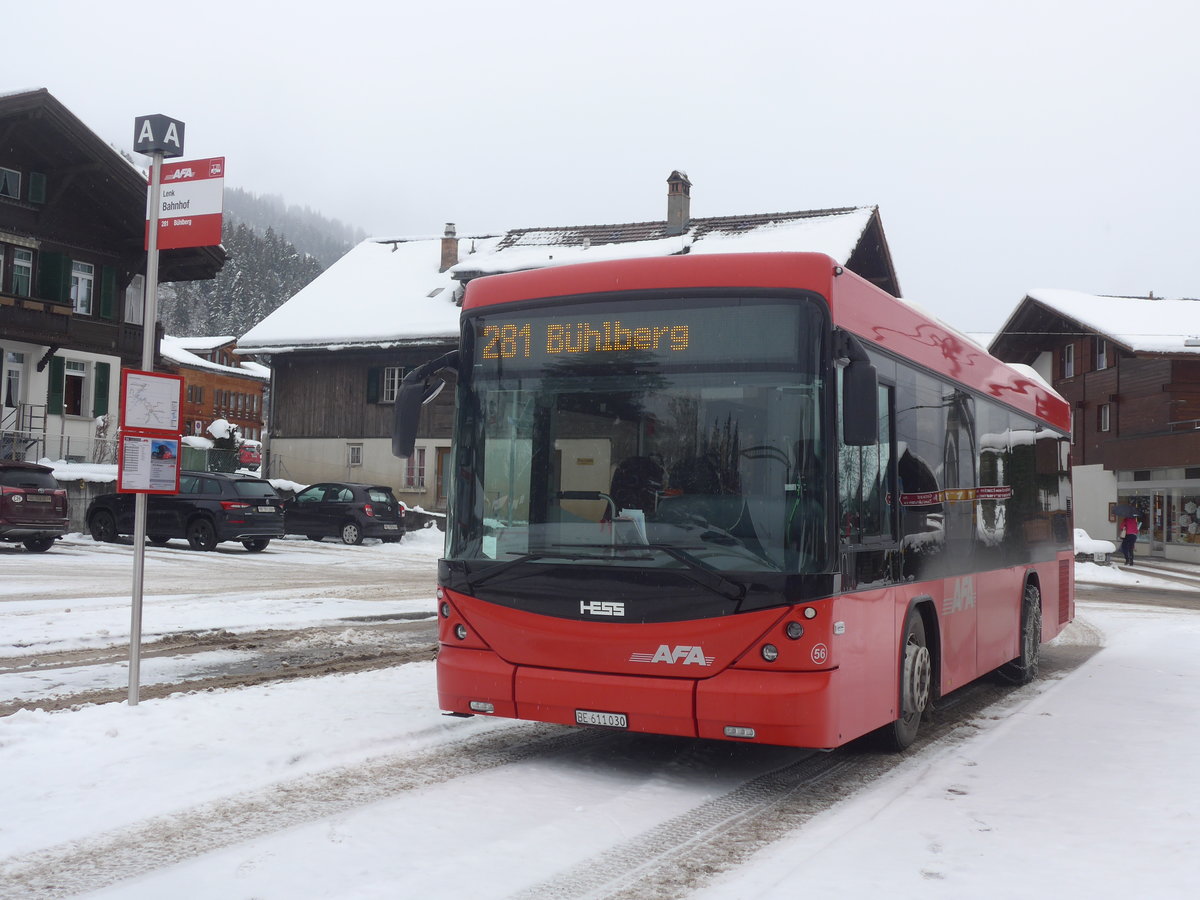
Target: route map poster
point(151, 409)
point(151, 402)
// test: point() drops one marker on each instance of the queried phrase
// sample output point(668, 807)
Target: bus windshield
point(681, 434)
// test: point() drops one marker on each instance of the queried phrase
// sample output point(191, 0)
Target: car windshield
point(381, 495)
point(31, 479)
point(255, 489)
point(716, 463)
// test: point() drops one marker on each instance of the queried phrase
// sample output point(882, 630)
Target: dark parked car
point(347, 511)
point(33, 506)
point(210, 507)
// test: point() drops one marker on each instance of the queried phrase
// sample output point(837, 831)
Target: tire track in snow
point(93, 863)
point(673, 859)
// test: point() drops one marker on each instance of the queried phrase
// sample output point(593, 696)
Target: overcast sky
point(1009, 146)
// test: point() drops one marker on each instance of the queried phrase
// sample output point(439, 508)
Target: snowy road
point(353, 785)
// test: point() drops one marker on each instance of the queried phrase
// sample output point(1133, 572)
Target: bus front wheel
point(916, 684)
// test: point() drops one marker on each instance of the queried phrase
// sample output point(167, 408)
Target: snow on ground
point(1082, 788)
point(88, 622)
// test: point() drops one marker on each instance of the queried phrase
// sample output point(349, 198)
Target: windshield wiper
point(702, 573)
point(501, 568)
point(696, 569)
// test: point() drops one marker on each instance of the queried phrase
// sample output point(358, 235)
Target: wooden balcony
point(56, 324)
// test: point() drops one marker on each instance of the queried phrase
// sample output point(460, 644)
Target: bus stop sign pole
point(158, 137)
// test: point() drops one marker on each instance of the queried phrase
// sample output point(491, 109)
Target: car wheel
point(201, 535)
point(316, 537)
point(103, 527)
point(351, 533)
point(256, 545)
point(157, 540)
point(39, 545)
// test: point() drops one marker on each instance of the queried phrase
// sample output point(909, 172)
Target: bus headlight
point(770, 652)
point(795, 631)
point(460, 632)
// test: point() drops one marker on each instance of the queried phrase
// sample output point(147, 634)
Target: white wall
point(1093, 489)
point(71, 436)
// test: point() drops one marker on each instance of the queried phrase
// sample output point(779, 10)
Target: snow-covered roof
point(382, 293)
point(389, 292)
point(204, 343)
point(1140, 324)
point(173, 348)
point(835, 232)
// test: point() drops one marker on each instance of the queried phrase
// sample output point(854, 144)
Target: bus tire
point(1024, 668)
point(916, 684)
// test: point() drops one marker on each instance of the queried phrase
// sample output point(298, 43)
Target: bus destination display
point(709, 333)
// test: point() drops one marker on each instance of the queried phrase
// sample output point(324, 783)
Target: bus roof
point(856, 305)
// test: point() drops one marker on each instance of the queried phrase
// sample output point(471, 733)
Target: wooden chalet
point(1130, 368)
point(72, 264)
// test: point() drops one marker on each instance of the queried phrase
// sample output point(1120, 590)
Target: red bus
point(747, 497)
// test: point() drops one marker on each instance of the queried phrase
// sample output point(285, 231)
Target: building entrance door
point(1152, 530)
point(1157, 526)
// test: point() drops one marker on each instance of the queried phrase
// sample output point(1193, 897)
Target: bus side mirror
point(860, 393)
point(419, 387)
point(860, 405)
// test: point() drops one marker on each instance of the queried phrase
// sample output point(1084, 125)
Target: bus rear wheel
point(916, 684)
point(1024, 668)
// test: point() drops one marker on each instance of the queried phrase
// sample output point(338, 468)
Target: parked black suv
point(33, 505)
point(345, 510)
point(210, 507)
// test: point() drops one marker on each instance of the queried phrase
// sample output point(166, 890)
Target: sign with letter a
point(158, 134)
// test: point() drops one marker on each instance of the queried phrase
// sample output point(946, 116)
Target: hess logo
point(681, 654)
point(601, 608)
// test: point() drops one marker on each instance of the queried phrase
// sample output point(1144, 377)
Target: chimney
point(679, 202)
point(449, 247)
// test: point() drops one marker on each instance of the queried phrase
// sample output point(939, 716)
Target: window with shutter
point(100, 390)
point(54, 396)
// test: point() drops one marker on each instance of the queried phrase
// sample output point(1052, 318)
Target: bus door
point(960, 590)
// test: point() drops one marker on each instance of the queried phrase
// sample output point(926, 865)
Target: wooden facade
point(1136, 422)
point(1132, 410)
point(72, 276)
point(323, 394)
point(231, 393)
point(66, 197)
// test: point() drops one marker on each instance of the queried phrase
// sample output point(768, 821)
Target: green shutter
point(54, 277)
point(54, 398)
point(374, 376)
point(108, 292)
point(37, 187)
point(100, 394)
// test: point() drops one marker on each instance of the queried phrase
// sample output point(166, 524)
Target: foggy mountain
point(273, 251)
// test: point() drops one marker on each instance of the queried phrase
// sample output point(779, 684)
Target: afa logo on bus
point(688, 656)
